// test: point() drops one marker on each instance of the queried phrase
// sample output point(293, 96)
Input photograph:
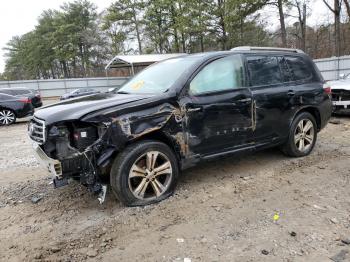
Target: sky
point(18, 17)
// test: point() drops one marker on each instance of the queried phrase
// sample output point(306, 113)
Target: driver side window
point(222, 74)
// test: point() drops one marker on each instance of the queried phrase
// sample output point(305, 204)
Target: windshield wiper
point(123, 92)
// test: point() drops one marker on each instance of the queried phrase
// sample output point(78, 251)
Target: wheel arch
point(161, 136)
point(7, 108)
point(313, 111)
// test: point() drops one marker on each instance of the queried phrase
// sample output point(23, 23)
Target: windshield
point(157, 78)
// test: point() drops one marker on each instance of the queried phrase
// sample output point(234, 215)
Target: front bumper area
point(52, 165)
point(344, 104)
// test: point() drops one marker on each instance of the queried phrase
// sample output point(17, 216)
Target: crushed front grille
point(36, 130)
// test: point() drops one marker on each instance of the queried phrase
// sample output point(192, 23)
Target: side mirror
point(341, 76)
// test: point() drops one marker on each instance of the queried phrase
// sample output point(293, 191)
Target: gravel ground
point(259, 207)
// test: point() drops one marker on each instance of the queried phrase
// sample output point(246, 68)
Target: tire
point(7, 117)
point(134, 178)
point(301, 143)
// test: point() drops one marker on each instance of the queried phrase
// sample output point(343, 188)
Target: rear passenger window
point(299, 69)
point(264, 70)
point(286, 73)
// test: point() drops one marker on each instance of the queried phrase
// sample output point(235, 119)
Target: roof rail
point(258, 48)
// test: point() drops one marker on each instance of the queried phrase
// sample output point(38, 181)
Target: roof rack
point(258, 48)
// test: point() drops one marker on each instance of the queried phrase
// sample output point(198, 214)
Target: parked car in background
point(179, 112)
point(341, 94)
point(13, 107)
point(32, 94)
point(78, 93)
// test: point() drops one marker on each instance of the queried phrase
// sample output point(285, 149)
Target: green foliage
point(75, 41)
point(65, 43)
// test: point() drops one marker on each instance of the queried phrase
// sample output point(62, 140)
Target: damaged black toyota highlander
point(179, 112)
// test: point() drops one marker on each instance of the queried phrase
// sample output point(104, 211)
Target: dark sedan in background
point(13, 107)
point(31, 94)
point(78, 93)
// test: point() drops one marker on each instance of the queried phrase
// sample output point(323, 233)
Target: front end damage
point(341, 100)
point(84, 149)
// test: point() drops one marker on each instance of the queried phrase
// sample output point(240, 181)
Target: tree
point(126, 18)
point(336, 11)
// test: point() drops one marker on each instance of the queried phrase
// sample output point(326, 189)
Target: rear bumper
point(38, 104)
point(27, 110)
point(52, 165)
point(325, 112)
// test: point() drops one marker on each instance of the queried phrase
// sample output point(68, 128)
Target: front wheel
point(144, 173)
point(7, 117)
point(302, 136)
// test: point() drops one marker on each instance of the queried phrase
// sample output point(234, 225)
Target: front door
point(218, 107)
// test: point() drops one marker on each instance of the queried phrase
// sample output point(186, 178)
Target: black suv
point(179, 112)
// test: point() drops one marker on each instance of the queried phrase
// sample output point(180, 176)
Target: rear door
point(218, 107)
point(272, 98)
point(304, 85)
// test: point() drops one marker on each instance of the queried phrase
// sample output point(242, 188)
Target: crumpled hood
point(340, 84)
point(76, 108)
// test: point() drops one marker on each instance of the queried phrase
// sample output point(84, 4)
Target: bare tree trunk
point(337, 27)
point(336, 12)
point(282, 23)
point(202, 43)
point(302, 22)
point(347, 5)
point(137, 29)
point(221, 6)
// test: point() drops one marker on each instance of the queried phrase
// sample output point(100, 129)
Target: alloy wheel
point(304, 135)
point(150, 176)
point(7, 117)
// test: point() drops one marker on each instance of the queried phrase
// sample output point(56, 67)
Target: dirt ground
point(259, 207)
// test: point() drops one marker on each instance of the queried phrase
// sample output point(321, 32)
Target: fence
point(332, 67)
point(329, 67)
point(57, 87)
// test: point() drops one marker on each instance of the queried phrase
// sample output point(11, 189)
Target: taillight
point(25, 100)
point(327, 89)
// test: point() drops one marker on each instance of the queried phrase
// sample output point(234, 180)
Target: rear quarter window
point(299, 69)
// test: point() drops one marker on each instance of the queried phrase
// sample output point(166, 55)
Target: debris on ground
point(334, 220)
point(180, 240)
point(341, 256)
point(36, 199)
point(264, 252)
point(92, 253)
point(335, 121)
point(293, 234)
point(346, 241)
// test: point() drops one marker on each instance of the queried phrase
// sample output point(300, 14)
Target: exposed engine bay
point(72, 144)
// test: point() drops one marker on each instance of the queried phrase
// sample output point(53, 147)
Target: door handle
point(195, 109)
point(290, 93)
point(244, 100)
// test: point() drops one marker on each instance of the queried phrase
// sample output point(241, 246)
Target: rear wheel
point(7, 117)
point(302, 136)
point(144, 173)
